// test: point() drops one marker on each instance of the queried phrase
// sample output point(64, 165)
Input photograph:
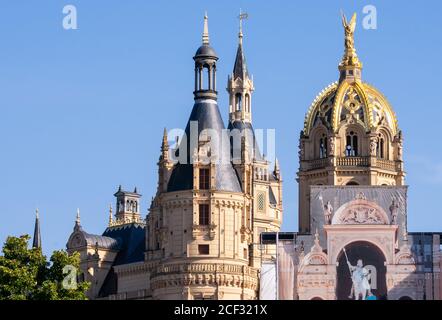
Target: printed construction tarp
point(286, 270)
point(329, 199)
point(268, 281)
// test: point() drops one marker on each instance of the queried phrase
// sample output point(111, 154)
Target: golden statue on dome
point(350, 57)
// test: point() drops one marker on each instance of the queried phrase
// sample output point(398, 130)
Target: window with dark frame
point(204, 179)
point(204, 215)
point(323, 147)
point(351, 149)
point(203, 249)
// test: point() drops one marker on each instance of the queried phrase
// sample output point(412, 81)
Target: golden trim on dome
point(315, 104)
point(386, 106)
point(337, 107)
point(365, 92)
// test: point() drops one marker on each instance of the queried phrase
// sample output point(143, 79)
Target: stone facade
point(200, 235)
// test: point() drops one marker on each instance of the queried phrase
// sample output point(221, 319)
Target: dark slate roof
point(207, 114)
point(102, 241)
point(241, 125)
point(205, 51)
point(240, 67)
point(131, 239)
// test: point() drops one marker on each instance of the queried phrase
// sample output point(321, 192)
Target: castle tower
point(350, 135)
point(240, 86)
point(128, 207)
point(261, 185)
point(193, 235)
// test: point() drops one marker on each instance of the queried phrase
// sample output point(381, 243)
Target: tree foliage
point(25, 274)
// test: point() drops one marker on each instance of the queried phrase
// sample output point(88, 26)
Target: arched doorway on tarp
point(373, 260)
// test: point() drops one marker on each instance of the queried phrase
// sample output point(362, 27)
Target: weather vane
point(241, 17)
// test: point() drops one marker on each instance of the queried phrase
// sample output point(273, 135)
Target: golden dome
point(350, 99)
point(359, 100)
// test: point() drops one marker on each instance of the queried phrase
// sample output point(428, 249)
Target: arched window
point(207, 80)
point(238, 102)
point(247, 103)
point(323, 146)
point(351, 147)
point(380, 149)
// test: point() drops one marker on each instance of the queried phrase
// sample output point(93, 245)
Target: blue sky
point(83, 111)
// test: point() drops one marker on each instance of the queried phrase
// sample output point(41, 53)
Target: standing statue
point(399, 150)
point(359, 277)
point(394, 208)
point(328, 212)
point(350, 58)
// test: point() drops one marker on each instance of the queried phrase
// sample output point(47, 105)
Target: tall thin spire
point(37, 236)
point(165, 147)
point(77, 220)
point(206, 30)
point(240, 67)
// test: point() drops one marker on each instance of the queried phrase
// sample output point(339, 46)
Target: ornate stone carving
point(360, 212)
point(331, 145)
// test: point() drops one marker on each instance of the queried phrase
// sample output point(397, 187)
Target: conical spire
point(37, 236)
point(276, 165)
point(165, 147)
point(240, 67)
point(206, 30)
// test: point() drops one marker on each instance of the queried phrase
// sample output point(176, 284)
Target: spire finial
point(36, 214)
point(77, 220)
point(276, 165)
point(350, 59)
point(110, 215)
point(165, 147)
point(242, 16)
point(206, 30)
point(165, 136)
